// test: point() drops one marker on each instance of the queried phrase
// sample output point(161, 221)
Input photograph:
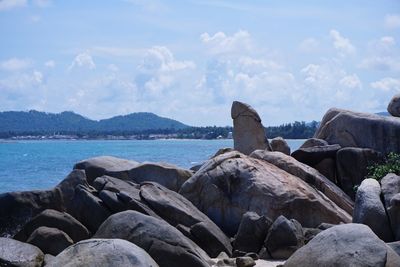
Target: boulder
point(308, 175)
point(248, 132)
point(165, 244)
point(345, 245)
point(103, 253)
point(314, 155)
point(106, 165)
point(354, 129)
point(369, 209)
point(391, 196)
point(245, 262)
point(284, 238)
point(231, 184)
point(16, 253)
point(351, 165)
point(394, 215)
point(170, 176)
point(314, 142)
point(280, 144)
point(394, 106)
point(222, 151)
point(310, 233)
point(50, 240)
point(395, 246)
point(52, 218)
point(176, 209)
point(252, 232)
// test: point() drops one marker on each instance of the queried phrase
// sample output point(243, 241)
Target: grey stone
point(370, 211)
point(344, 245)
point(314, 155)
point(248, 132)
point(50, 240)
point(314, 142)
point(310, 233)
point(245, 262)
point(103, 253)
point(391, 196)
point(16, 253)
point(395, 246)
point(394, 106)
point(280, 144)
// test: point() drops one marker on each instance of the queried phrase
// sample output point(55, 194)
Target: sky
point(188, 60)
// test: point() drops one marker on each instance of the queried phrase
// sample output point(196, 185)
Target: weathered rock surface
point(309, 175)
point(314, 142)
point(394, 106)
point(369, 209)
point(103, 253)
point(314, 155)
point(16, 253)
point(391, 196)
point(252, 232)
point(352, 166)
point(50, 240)
point(106, 165)
point(165, 244)
point(231, 184)
point(395, 246)
point(354, 129)
point(345, 245)
point(279, 144)
point(284, 238)
point(248, 132)
point(52, 218)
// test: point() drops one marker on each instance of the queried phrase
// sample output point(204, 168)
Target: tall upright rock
point(248, 131)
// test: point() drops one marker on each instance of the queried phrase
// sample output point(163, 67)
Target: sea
point(34, 165)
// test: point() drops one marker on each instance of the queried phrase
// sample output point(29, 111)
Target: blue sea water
point(31, 165)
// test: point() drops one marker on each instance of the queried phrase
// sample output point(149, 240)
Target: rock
point(370, 211)
point(284, 238)
point(324, 226)
point(394, 214)
point(280, 144)
point(106, 165)
point(353, 129)
point(50, 240)
point(103, 253)
point(344, 245)
point(52, 218)
point(394, 106)
point(307, 174)
point(252, 232)
point(314, 155)
point(16, 253)
point(176, 209)
point(196, 167)
point(165, 244)
point(248, 132)
point(231, 184)
point(245, 262)
point(47, 259)
point(327, 167)
point(222, 151)
point(395, 246)
point(314, 142)
point(351, 164)
point(391, 196)
point(167, 175)
point(310, 233)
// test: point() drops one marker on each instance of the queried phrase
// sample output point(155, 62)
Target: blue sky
point(188, 60)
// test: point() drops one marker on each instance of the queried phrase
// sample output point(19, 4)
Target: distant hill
point(69, 122)
point(384, 113)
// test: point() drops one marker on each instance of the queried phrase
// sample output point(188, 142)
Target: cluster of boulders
point(255, 202)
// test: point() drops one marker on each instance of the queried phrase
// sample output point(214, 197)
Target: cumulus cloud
point(392, 21)
point(15, 64)
point(10, 4)
point(220, 43)
point(387, 84)
point(309, 45)
point(83, 60)
point(50, 64)
point(351, 81)
point(341, 44)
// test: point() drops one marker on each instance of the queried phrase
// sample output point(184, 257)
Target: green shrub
point(390, 165)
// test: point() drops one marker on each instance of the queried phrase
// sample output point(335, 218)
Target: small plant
point(390, 165)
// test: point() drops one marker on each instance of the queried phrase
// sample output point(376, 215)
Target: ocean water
point(31, 165)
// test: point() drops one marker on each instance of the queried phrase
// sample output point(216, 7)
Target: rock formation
point(394, 106)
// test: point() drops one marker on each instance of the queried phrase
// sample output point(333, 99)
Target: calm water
point(28, 165)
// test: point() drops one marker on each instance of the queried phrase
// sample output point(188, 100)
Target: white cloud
point(221, 43)
point(387, 84)
point(351, 81)
point(380, 63)
point(10, 4)
point(50, 64)
point(392, 21)
point(341, 44)
point(15, 64)
point(309, 45)
point(83, 60)
point(42, 3)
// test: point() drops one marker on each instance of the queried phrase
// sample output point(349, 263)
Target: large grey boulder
point(351, 165)
point(394, 106)
point(345, 245)
point(165, 244)
point(106, 165)
point(56, 219)
point(354, 129)
point(314, 155)
point(308, 175)
point(280, 144)
point(103, 253)
point(50, 240)
point(16, 253)
point(248, 132)
point(391, 196)
point(314, 142)
point(369, 209)
point(395, 246)
point(231, 184)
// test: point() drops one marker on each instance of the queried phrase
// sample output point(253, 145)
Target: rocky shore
point(258, 204)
